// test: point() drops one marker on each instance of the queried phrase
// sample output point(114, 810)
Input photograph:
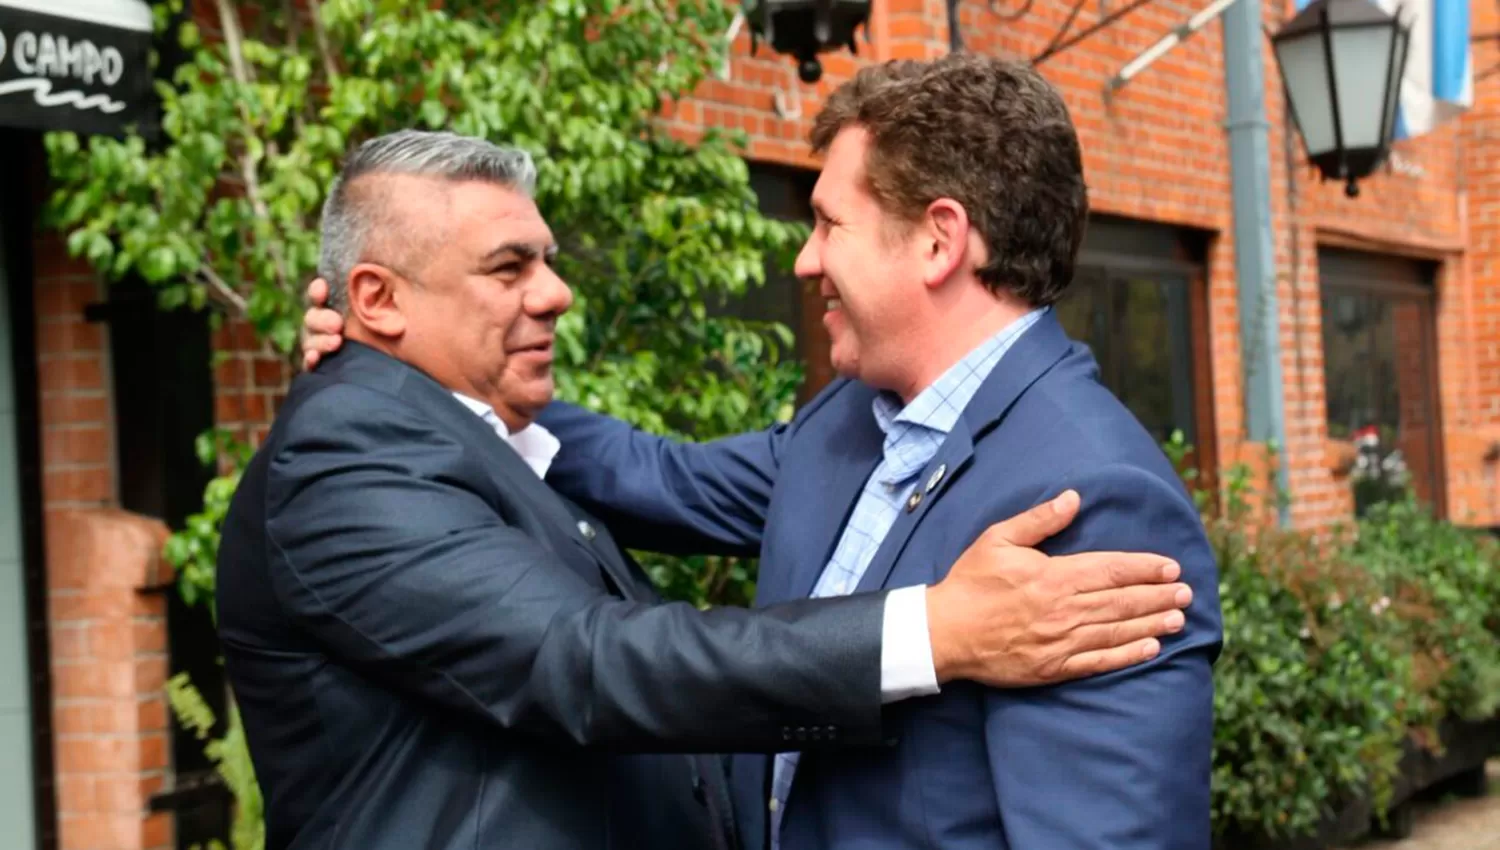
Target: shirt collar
point(537, 446)
point(938, 407)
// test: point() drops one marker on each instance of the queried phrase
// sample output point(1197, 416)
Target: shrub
point(1339, 650)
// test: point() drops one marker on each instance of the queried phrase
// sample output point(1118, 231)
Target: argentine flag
point(1438, 83)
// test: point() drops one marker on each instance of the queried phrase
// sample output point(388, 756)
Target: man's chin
point(846, 366)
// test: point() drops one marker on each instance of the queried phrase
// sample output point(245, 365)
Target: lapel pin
point(911, 503)
point(937, 476)
point(585, 529)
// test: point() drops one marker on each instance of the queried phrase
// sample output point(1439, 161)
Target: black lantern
point(805, 28)
point(1341, 64)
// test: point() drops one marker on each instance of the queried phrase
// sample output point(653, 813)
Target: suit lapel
point(364, 365)
point(508, 470)
point(847, 461)
point(952, 457)
point(1037, 351)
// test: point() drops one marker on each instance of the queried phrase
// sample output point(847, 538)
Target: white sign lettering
point(46, 55)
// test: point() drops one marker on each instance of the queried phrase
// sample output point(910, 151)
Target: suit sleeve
point(662, 495)
point(1119, 761)
point(383, 555)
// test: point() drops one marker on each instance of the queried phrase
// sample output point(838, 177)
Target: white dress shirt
point(906, 668)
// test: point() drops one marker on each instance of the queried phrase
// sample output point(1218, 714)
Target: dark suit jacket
point(431, 649)
point(1115, 762)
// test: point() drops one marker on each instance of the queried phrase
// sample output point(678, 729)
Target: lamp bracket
point(1182, 32)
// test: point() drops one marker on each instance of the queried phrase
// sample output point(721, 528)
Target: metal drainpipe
point(1254, 249)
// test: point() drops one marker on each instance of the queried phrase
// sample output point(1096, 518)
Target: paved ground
point(1454, 824)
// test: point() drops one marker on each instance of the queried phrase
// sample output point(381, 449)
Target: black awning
point(79, 65)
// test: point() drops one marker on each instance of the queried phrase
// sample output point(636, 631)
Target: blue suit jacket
point(1115, 762)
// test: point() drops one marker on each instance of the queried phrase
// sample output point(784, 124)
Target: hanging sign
point(77, 65)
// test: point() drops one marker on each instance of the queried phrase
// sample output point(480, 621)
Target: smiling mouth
point(834, 304)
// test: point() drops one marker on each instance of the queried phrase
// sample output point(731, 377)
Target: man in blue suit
point(948, 217)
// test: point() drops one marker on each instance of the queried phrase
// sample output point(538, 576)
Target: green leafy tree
point(220, 211)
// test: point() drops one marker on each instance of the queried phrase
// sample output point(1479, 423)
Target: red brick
point(71, 486)
point(75, 446)
point(255, 408)
point(270, 374)
point(119, 793)
point(111, 640)
point(92, 680)
point(153, 751)
point(96, 755)
point(74, 408)
point(229, 408)
point(150, 635)
point(156, 832)
point(61, 336)
point(150, 675)
point(113, 717)
point(76, 794)
point(70, 373)
point(230, 374)
point(151, 714)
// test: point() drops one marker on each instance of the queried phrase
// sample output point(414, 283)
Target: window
point(1137, 301)
point(1379, 373)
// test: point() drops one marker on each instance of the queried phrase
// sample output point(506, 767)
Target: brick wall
point(108, 639)
point(109, 665)
point(72, 366)
point(1472, 384)
point(1157, 150)
point(249, 382)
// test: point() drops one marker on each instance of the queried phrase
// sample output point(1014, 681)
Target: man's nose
point(549, 295)
point(808, 265)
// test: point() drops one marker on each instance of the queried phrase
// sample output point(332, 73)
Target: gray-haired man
point(433, 649)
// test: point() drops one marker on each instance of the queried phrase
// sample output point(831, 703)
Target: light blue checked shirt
point(913, 435)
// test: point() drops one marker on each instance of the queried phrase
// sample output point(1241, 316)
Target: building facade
point(1387, 336)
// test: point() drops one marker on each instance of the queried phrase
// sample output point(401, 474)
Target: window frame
point(1185, 256)
point(1349, 271)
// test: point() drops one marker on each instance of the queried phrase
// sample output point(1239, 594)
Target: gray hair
point(349, 217)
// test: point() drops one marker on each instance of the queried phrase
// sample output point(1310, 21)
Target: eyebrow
point(520, 250)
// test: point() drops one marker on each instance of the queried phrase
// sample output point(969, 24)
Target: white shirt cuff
point(906, 668)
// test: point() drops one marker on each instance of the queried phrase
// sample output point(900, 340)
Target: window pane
point(1348, 362)
point(1379, 393)
point(1139, 328)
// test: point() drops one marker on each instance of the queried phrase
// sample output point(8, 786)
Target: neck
point(451, 379)
point(959, 325)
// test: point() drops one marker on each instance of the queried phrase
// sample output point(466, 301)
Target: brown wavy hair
point(989, 133)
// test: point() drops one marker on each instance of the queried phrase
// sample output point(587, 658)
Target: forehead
point(487, 212)
point(841, 182)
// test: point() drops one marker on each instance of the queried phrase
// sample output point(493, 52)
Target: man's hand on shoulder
point(1008, 615)
point(322, 328)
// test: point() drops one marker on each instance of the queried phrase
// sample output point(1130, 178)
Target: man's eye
point(509, 269)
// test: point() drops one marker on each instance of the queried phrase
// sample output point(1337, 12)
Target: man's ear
point(944, 240)
point(374, 301)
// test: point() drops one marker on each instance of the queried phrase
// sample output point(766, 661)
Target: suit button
point(585, 529)
point(786, 734)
